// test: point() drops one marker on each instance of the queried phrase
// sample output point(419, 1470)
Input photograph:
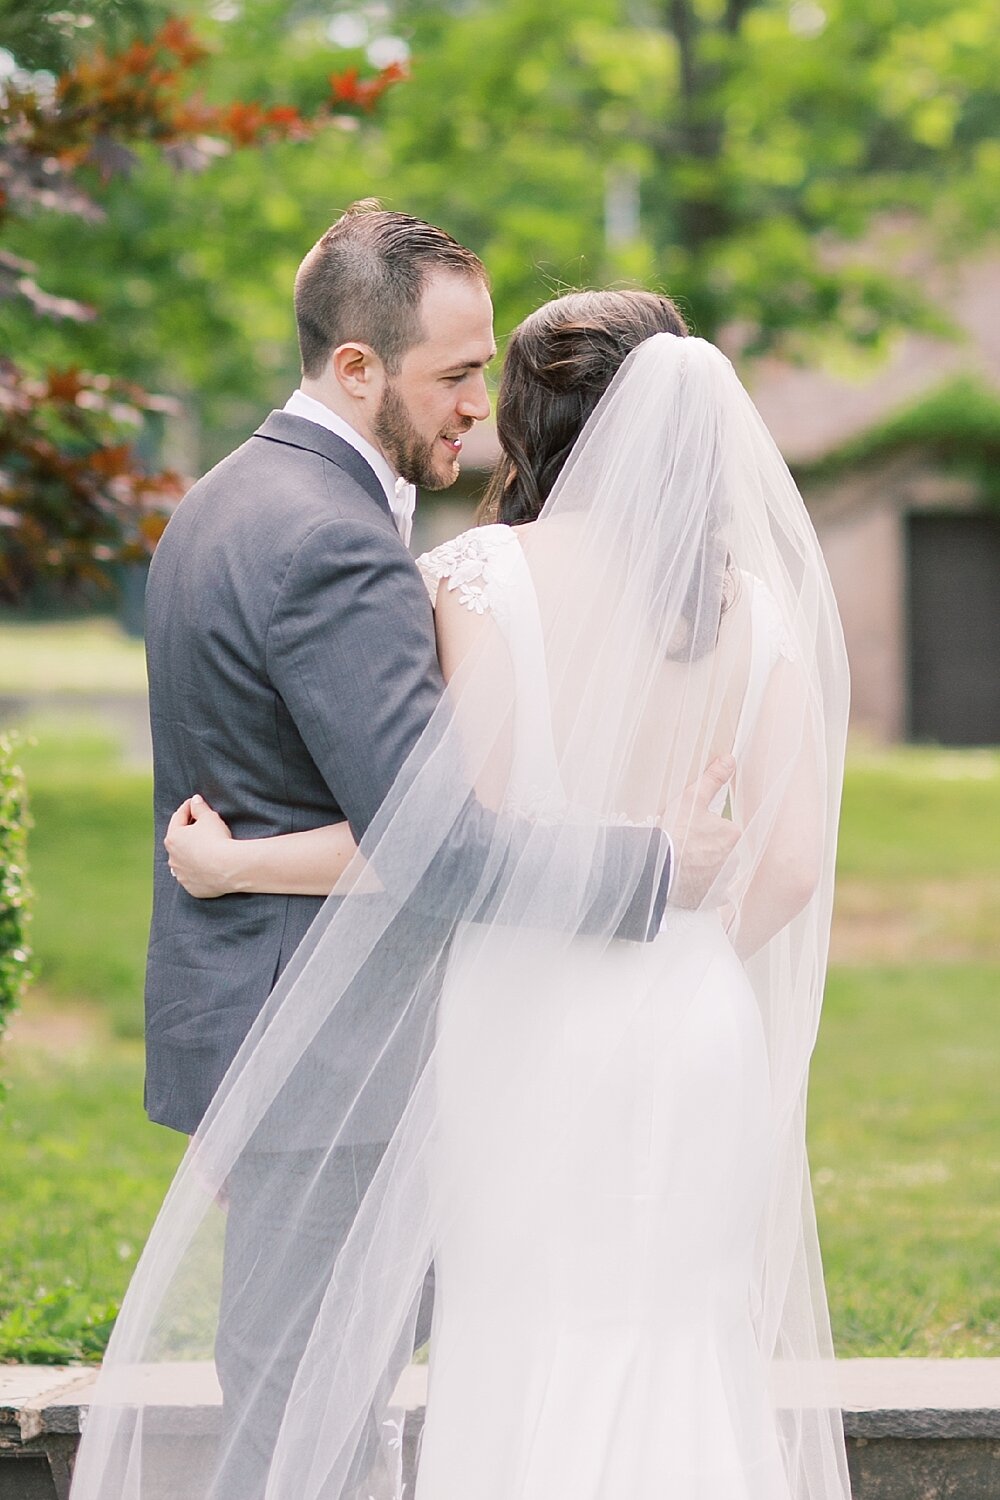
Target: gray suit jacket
point(292, 667)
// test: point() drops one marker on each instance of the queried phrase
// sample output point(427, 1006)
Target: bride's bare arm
point(779, 800)
point(463, 635)
point(209, 862)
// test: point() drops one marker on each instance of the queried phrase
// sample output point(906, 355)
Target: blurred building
point(901, 473)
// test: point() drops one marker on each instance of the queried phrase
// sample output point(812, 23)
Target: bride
point(598, 1144)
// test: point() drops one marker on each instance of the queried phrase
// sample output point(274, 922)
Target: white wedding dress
point(593, 1333)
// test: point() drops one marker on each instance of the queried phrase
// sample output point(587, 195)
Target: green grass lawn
point(82, 1174)
point(918, 877)
point(904, 1116)
point(913, 812)
point(905, 1150)
point(91, 866)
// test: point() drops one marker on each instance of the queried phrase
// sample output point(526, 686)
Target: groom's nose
point(475, 402)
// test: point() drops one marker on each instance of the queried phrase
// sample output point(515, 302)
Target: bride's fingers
point(713, 779)
point(180, 819)
point(201, 812)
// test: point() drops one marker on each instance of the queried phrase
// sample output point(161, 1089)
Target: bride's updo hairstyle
point(558, 364)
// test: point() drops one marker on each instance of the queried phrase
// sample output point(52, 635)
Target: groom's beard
point(411, 455)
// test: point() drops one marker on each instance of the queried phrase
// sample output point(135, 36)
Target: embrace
point(492, 900)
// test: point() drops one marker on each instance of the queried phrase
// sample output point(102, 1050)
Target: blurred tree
point(73, 492)
point(770, 162)
point(41, 38)
point(193, 271)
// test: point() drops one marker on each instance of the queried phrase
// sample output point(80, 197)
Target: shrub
point(15, 893)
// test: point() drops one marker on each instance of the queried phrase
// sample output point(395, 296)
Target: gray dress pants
point(259, 1345)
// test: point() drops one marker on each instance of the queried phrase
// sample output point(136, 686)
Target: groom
point(290, 641)
point(292, 669)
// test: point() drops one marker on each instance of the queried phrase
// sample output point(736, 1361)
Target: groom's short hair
point(364, 280)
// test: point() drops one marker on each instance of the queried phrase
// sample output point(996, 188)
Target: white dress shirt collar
point(402, 497)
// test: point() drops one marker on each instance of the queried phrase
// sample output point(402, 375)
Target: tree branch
point(684, 25)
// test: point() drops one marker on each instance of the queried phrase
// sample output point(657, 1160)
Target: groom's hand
point(702, 840)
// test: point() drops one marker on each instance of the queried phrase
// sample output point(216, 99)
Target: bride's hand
point(702, 840)
point(200, 848)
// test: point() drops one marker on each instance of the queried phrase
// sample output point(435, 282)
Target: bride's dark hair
point(559, 363)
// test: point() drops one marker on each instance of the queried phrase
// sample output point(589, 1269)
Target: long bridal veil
point(678, 607)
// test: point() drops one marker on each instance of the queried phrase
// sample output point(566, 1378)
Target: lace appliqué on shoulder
point(464, 562)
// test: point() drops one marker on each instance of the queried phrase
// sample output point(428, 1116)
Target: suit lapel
point(296, 432)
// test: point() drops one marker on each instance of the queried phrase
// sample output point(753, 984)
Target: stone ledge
point(918, 1399)
point(899, 1398)
point(39, 1399)
point(915, 1427)
point(905, 1423)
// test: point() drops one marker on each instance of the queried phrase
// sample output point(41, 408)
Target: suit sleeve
point(351, 650)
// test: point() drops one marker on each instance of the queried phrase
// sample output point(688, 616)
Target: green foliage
point(41, 37)
point(957, 427)
point(75, 491)
point(765, 140)
point(168, 252)
point(765, 150)
point(15, 892)
point(57, 1327)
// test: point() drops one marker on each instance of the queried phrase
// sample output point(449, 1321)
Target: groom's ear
point(358, 370)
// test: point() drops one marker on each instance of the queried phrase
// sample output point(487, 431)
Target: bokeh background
point(816, 183)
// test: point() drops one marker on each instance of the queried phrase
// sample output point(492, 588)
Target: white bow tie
point(403, 505)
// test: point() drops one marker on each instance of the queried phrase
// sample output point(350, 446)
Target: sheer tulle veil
point(673, 511)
